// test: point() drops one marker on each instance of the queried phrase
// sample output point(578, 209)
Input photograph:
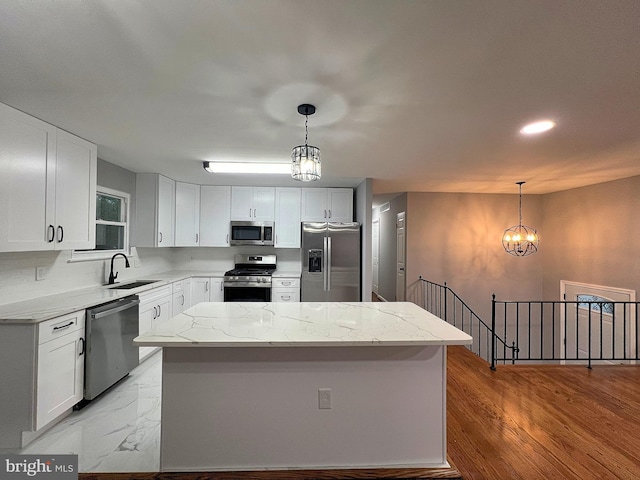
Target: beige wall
point(588, 235)
point(457, 238)
point(592, 235)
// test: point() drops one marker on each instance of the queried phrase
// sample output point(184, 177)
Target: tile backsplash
point(18, 269)
point(18, 272)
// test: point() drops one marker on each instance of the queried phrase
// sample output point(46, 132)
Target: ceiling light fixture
point(537, 127)
point(247, 167)
point(520, 240)
point(305, 159)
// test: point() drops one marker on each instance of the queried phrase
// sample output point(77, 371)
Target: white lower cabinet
point(60, 366)
point(285, 289)
point(181, 296)
point(155, 308)
point(207, 289)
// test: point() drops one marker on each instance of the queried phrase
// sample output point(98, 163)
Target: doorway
point(594, 327)
point(375, 254)
point(400, 258)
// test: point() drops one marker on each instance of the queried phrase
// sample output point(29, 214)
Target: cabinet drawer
point(154, 295)
point(59, 326)
point(288, 295)
point(285, 282)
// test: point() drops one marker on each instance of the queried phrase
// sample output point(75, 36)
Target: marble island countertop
point(303, 324)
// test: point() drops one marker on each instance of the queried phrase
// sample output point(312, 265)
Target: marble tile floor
point(117, 432)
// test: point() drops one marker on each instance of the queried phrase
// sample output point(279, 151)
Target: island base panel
point(258, 408)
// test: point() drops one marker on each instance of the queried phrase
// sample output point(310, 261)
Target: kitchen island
point(253, 386)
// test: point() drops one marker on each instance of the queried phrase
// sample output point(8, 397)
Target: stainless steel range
point(250, 280)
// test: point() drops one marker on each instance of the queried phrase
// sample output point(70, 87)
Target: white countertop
point(44, 308)
point(303, 324)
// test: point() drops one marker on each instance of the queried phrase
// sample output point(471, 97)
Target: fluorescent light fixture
point(537, 127)
point(248, 167)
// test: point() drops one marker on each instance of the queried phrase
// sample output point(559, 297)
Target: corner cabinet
point(287, 223)
point(215, 216)
point(47, 186)
point(327, 205)
point(253, 203)
point(155, 211)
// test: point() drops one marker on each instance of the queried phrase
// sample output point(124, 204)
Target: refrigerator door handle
point(329, 262)
point(324, 264)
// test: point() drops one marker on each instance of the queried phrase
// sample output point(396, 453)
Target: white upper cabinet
point(287, 223)
point(327, 205)
point(253, 203)
point(215, 215)
point(155, 210)
point(47, 186)
point(76, 171)
point(187, 215)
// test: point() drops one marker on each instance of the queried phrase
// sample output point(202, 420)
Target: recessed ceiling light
point(247, 167)
point(537, 127)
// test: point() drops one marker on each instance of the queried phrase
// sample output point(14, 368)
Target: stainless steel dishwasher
point(111, 353)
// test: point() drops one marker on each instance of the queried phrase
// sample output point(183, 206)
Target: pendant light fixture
point(520, 240)
point(305, 159)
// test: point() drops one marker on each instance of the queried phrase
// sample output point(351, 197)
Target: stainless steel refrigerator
point(330, 262)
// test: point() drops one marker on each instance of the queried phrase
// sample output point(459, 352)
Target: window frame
point(83, 255)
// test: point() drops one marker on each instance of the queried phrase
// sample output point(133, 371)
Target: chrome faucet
point(112, 277)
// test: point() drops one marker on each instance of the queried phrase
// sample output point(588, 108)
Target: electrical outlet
point(324, 398)
point(41, 273)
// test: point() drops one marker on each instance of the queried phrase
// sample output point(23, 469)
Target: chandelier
point(520, 240)
point(305, 159)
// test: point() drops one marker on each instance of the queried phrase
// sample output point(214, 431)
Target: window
point(112, 228)
point(595, 303)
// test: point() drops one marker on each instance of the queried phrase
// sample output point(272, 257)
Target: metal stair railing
point(443, 302)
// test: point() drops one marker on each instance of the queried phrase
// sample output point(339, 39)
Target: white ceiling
point(418, 95)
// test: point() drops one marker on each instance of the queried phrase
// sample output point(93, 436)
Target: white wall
point(364, 195)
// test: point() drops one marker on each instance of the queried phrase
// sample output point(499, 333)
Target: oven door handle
point(246, 285)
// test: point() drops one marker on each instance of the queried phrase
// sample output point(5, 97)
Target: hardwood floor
point(542, 422)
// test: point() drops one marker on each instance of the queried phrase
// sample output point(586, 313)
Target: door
point(343, 262)
point(166, 211)
point(76, 170)
point(215, 216)
point(187, 214)
point(200, 288)
point(375, 260)
point(313, 262)
point(400, 258)
point(264, 201)
point(287, 223)
point(597, 328)
point(340, 204)
point(27, 176)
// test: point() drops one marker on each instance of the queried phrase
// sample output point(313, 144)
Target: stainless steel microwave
point(252, 233)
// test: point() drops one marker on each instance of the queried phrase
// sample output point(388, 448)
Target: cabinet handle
point(286, 284)
point(83, 345)
point(155, 312)
point(159, 310)
point(183, 300)
point(227, 238)
point(62, 327)
point(249, 213)
point(60, 233)
point(221, 286)
point(325, 214)
point(196, 238)
point(254, 213)
point(160, 234)
point(52, 233)
point(206, 286)
point(329, 213)
point(286, 298)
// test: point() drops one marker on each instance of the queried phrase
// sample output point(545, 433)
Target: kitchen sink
point(137, 283)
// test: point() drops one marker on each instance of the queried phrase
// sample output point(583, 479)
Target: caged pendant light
point(520, 240)
point(305, 159)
